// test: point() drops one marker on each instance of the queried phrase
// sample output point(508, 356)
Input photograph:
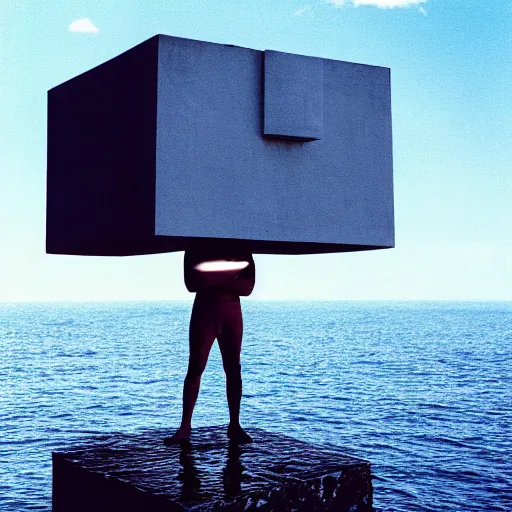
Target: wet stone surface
point(274, 473)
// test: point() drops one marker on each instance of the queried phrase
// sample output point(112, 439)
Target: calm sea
point(423, 390)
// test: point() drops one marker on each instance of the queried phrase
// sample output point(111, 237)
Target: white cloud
point(83, 25)
point(300, 12)
point(389, 3)
point(381, 3)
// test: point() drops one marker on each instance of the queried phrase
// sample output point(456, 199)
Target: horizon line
point(83, 301)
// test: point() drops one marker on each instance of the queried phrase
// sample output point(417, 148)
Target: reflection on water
point(233, 472)
point(190, 477)
point(191, 473)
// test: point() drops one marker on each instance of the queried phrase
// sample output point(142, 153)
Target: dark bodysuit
point(217, 313)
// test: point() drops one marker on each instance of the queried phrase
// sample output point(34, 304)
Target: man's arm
point(241, 287)
point(197, 279)
point(243, 283)
point(240, 282)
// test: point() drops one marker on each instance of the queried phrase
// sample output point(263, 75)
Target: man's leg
point(230, 343)
point(202, 333)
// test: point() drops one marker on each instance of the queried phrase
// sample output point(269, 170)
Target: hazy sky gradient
point(451, 64)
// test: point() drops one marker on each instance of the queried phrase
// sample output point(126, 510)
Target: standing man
point(219, 271)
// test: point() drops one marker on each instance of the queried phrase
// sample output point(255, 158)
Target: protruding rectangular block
point(165, 143)
point(294, 96)
point(275, 473)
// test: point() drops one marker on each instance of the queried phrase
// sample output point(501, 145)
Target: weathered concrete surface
point(293, 103)
point(168, 141)
point(276, 473)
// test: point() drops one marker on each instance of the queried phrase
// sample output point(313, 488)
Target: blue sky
point(451, 64)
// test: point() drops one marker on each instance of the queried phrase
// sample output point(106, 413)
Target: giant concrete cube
point(177, 139)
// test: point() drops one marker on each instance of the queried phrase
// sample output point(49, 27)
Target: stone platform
point(276, 473)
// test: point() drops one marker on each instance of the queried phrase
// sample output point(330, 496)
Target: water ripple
point(423, 390)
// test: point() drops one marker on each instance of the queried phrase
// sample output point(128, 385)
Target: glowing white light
point(219, 265)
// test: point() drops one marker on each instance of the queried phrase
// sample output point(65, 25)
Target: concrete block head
point(171, 141)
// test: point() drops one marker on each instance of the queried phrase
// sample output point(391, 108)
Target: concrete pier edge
point(136, 472)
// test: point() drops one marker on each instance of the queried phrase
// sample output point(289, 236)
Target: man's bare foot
point(238, 435)
point(181, 436)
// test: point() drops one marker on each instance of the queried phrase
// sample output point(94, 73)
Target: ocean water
point(423, 390)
